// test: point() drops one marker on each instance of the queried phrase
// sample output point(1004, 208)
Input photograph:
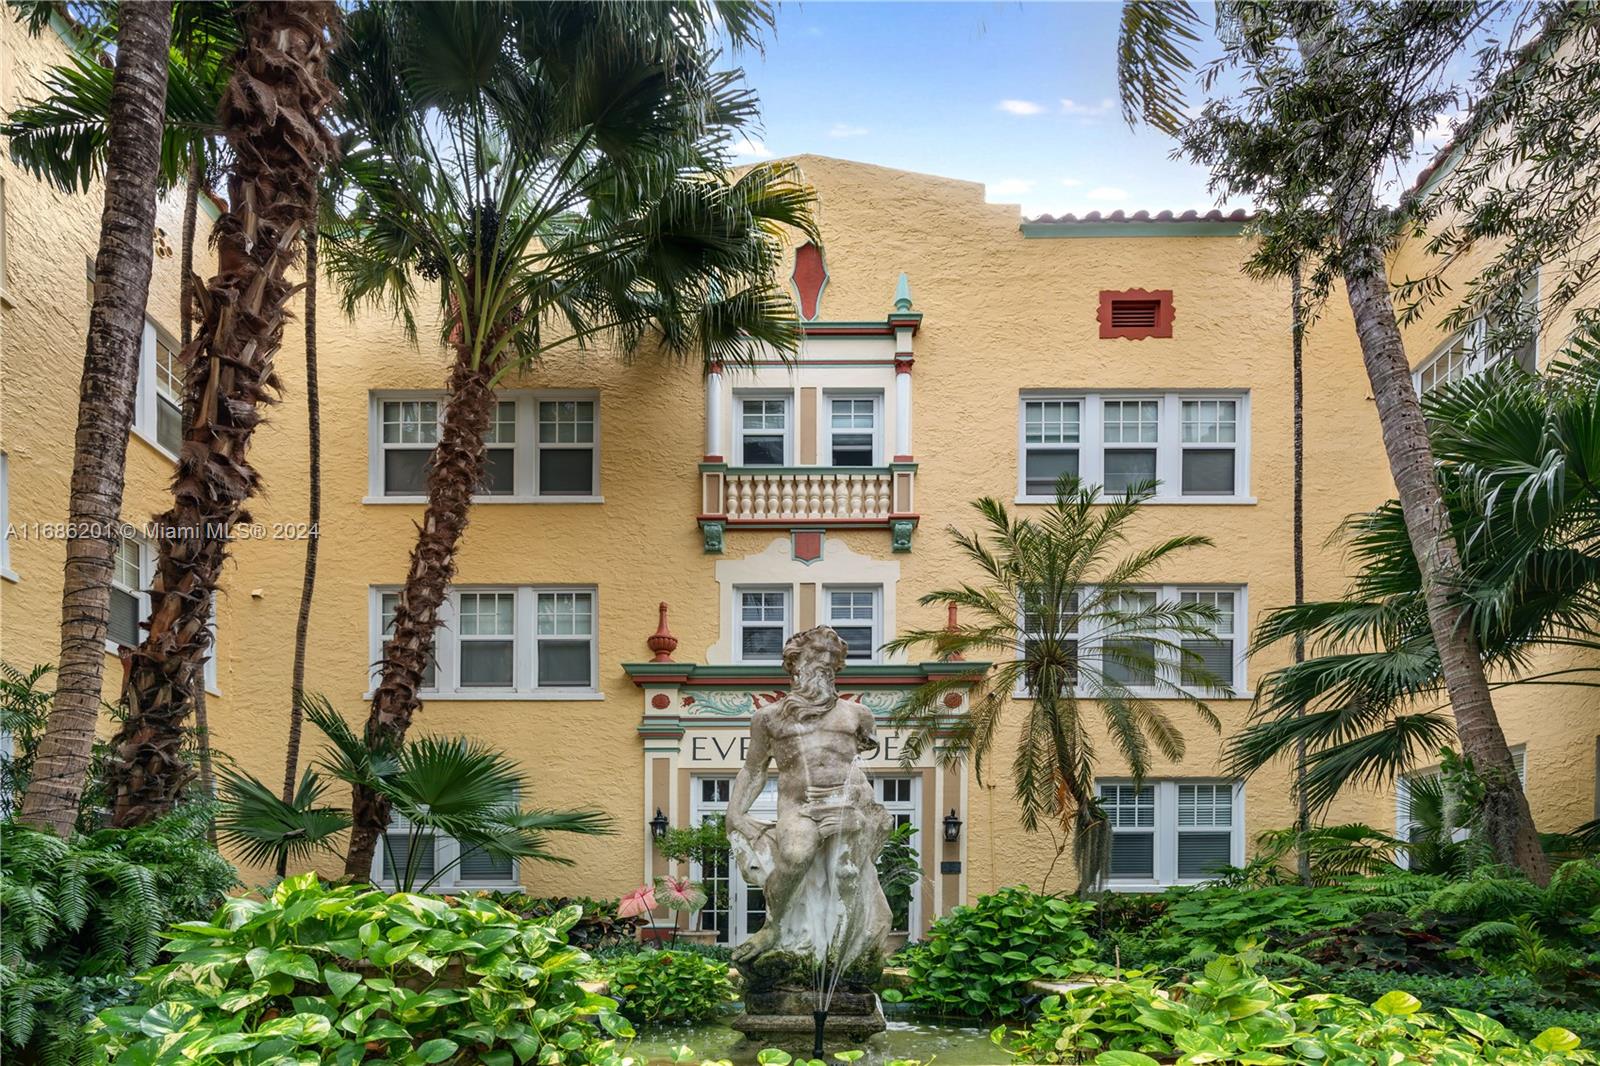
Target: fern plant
point(79, 917)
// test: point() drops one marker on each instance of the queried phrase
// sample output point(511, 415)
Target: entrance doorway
point(736, 910)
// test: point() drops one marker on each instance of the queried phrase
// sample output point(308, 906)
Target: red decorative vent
point(1135, 313)
point(810, 278)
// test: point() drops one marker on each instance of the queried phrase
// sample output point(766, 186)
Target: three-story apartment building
point(650, 532)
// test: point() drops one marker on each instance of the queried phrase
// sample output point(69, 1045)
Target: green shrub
point(598, 929)
point(79, 917)
point(338, 975)
point(977, 961)
point(1516, 1000)
point(1233, 1015)
point(668, 985)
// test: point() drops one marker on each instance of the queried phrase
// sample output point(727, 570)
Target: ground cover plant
point(1231, 1014)
point(338, 975)
point(80, 917)
point(667, 985)
point(977, 960)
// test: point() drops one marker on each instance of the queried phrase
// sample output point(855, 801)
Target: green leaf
point(436, 1050)
point(340, 981)
point(1556, 1039)
point(1124, 1058)
point(771, 1056)
point(301, 1028)
point(1397, 1003)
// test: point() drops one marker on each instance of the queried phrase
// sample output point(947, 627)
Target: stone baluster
point(746, 497)
point(786, 504)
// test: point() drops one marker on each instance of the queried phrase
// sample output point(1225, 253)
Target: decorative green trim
point(711, 534)
point(900, 533)
point(902, 293)
point(897, 467)
point(903, 674)
point(746, 471)
point(1035, 230)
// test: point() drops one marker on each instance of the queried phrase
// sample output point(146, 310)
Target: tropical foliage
point(339, 974)
point(1060, 612)
point(667, 986)
point(1231, 1014)
point(441, 786)
point(1519, 460)
point(977, 960)
point(899, 870)
point(80, 917)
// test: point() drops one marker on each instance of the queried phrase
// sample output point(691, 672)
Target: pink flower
point(641, 900)
point(680, 893)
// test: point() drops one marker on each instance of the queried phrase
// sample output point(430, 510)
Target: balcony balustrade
point(790, 497)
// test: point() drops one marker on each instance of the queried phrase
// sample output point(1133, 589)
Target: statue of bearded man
point(817, 865)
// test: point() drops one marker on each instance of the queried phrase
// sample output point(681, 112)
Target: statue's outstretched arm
point(751, 780)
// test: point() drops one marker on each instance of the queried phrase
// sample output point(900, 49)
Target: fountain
point(814, 966)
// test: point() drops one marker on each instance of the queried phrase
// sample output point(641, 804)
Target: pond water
point(906, 1038)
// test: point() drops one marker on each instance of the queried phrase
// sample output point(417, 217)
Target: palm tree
point(308, 580)
point(558, 172)
point(1517, 464)
point(1062, 616)
point(442, 786)
point(273, 115)
point(105, 410)
point(1334, 97)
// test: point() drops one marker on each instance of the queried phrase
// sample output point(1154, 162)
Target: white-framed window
point(901, 796)
point(856, 614)
point(1476, 348)
point(130, 599)
point(1405, 826)
point(1052, 433)
point(158, 391)
point(1172, 832)
point(505, 642)
point(1193, 444)
point(1213, 658)
point(477, 869)
point(1067, 631)
point(542, 446)
point(1149, 663)
point(764, 429)
point(855, 428)
point(569, 451)
point(764, 622)
point(5, 519)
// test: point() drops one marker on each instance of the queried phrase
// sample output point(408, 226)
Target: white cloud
point(1019, 107)
point(1072, 183)
point(1010, 187)
point(844, 129)
point(1108, 194)
point(745, 147)
point(1074, 107)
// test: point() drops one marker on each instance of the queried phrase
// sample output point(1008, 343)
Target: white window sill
point(8, 574)
point(1153, 694)
point(1151, 886)
point(459, 886)
point(1162, 501)
point(415, 500)
point(153, 443)
point(503, 695)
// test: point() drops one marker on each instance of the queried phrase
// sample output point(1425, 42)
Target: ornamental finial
point(662, 642)
point(902, 293)
point(952, 629)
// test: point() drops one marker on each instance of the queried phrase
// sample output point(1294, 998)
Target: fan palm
point(1063, 616)
point(556, 172)
point(1519, 463)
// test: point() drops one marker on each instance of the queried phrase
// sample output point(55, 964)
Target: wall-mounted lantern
point(952, 827)
point(658, 825)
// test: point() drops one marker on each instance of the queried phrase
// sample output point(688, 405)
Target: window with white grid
point(130, 577)
point(1172, 832)
point(158, 391)
point(1050, 644)
point(853, 430)
point(1194, 447)
point(1208, 662)
point(763, 623)
point(763, 426)
point(1484, 342)
point(449, 863)
point(505, 643)
point(1051, 435)
point(853, 614)
point(1128, 658)
point(539, 446)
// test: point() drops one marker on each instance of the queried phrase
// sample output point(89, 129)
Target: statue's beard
point(813, 692)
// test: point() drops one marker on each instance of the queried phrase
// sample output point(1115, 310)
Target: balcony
point(807, 497)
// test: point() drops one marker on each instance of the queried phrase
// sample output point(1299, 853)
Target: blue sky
point(1019, 96)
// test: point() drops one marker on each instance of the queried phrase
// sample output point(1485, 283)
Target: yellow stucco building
point(951, 351)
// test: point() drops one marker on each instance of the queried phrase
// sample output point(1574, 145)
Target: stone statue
point(826, 915)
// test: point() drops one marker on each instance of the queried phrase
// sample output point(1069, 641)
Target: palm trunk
point(308, 582)
point(105, 411)
point(191, 208)
point(272, 112)
point(456, 469)
point(1508, 822)
point(1297, 329)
